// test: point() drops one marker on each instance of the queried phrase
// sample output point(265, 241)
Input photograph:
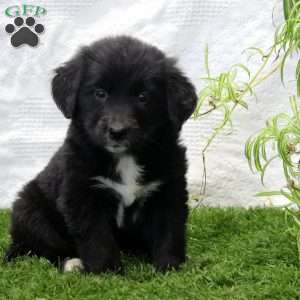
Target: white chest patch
point(129, 189)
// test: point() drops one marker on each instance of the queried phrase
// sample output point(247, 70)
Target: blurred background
point(32, 128)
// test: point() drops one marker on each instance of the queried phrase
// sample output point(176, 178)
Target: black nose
point(118, 133)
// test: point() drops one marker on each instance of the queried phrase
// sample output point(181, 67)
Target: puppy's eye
point(101, 94)
point(143, 97)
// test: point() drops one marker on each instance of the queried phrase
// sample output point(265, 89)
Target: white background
point(31, 127)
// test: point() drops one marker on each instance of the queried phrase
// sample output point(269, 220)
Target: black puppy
point(118, 181)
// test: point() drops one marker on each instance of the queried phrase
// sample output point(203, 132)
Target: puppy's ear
point(65, 84)
point(181, 95)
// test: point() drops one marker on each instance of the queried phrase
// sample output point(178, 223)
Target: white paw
point(73, 265)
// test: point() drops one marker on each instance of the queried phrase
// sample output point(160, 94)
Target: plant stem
point(252, 83)
point(207, 112)
point(263, 78)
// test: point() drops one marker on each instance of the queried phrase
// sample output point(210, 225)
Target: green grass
point(233, 254)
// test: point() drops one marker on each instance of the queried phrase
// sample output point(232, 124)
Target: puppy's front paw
point(73, 265)
point(167, 262)
point(104, 265)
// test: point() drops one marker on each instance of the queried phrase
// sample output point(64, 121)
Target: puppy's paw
point(107, 265)
point(73, 265)
point(168, 262)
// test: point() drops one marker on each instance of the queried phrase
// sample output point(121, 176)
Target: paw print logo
point(24, 34)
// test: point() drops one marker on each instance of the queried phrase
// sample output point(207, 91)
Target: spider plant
point(226, 91)
point(280, 140)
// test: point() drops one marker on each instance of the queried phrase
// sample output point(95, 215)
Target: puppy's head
point(123, 92)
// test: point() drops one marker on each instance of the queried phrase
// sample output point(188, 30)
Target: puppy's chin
point(116, 149)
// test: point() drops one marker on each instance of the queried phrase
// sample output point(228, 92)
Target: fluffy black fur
point(124, 97)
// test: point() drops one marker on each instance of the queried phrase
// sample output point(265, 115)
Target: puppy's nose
point(118, 133)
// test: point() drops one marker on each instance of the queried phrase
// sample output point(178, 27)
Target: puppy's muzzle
point(118, 131)
point(119, 127)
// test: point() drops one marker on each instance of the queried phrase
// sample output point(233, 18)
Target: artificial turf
point(233, 254)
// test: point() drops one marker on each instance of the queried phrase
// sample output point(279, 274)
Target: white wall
point(31, 128)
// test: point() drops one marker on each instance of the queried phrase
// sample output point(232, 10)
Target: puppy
point(118, 181)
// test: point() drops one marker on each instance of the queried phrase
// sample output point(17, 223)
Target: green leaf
point(269, 194)
point(294, 106)
point(243, 103)
point(287, 6)
point(256, 154)
point(243, 67)
point(298, 78)
point(265, 168)
point(294, 6)
point(286, 54)
point(248, 152)
point(287, 195)
point(258, 50)
point(206, 63)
